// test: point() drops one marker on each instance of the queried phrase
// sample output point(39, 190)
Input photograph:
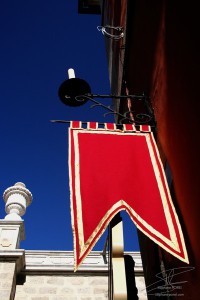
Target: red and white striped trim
point(110, 126)
point(145, 128)
point(92, 125)
point(129, 127)
point(76, 124)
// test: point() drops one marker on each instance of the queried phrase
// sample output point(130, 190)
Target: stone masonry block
point(20, 289)
point(48, 290)
point(30, 290)
point(84, 291)
point(64, 298)
point(8, 266)
point(19, 297)
point(5, 284)
point(35, 280)
point(66, 290)
point(77, 280)
point(101, 290)
point(4, 294)
point(98, 281)
point(55, 280)
point(7, 280)
point(40, 298)
point(5, 276)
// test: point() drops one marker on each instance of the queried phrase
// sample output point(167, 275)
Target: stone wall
point(49, 275)
point(63, 287)
point(7, 280)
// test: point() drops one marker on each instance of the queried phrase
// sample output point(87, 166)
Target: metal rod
point(100, 123)
point(83, 122)
point(139, 97)
point(123, 116)
point(139, 119)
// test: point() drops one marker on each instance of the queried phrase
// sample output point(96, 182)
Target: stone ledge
point(17, 256)
point(59, 262)
point(62, 261)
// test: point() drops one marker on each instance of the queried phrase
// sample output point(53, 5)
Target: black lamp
point(71, 90)
point(76, 92)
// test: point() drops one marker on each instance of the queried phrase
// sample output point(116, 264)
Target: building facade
point(153, 49)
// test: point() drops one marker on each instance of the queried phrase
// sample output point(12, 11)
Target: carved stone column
point(12, 260)
point(17, 198)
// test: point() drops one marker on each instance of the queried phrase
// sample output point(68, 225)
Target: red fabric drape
point(113, 170)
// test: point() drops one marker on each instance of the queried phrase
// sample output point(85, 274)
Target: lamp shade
point(71, 90)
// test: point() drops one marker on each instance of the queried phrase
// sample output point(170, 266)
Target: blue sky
point(40, 40)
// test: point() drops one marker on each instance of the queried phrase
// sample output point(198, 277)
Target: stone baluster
point(12, 259)
point(17, 198)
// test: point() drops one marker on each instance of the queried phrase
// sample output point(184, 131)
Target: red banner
point(113, 170)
